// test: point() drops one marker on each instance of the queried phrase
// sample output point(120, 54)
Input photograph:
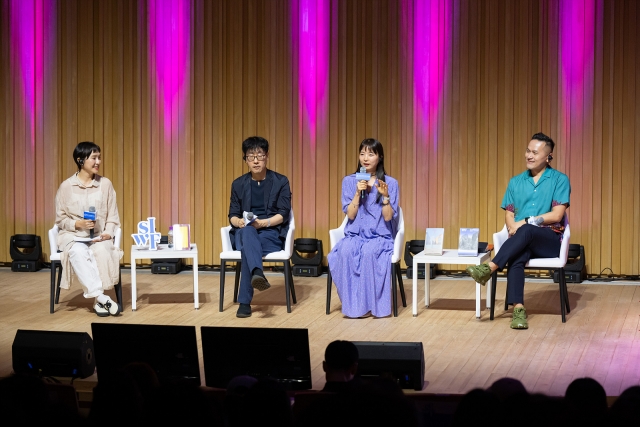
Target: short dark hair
point(83, 151)
point(341, 354)
point(544, 138)
point(254, 143)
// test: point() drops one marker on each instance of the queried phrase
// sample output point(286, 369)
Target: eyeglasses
point(251, 157)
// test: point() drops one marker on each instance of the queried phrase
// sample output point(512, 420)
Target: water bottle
point(170, 237)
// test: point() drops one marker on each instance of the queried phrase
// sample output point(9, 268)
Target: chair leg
point(494, 282)
point(118, 288)
point(401, 285)
point(329, 280)
point(562, 294)
point(236, 286)
point(54, 268)
point(506, 294)
point(394, 291)
point(566, 297)
point(223, 265)
point(58, 283)
point(290, 275)
point(287, 284)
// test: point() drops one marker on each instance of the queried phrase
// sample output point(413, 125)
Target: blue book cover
point(468, 242)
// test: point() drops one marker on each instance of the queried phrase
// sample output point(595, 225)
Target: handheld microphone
point(90, 215)
point(362, 175)
point(249, 217)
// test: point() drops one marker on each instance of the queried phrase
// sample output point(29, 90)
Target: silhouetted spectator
point(506, 387)
point(586, 402)
point(182, 404)
point(24, 400)
point(379, 402)
point(116, 397)
point(625, 411)
point(340, 365)
point(268, 404)
point(234, 401)
point(477, 408)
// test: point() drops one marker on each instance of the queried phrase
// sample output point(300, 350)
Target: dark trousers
point(528, 242)
point(253, 244)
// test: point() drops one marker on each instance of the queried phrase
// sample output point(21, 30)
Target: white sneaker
point(112, 307)
point(100, 310)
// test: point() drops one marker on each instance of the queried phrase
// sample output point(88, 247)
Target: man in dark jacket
point(259, 215)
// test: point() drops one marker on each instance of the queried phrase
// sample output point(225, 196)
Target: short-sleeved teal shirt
point(525, 198)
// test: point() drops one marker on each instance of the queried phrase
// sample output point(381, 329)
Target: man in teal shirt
point(535, 203)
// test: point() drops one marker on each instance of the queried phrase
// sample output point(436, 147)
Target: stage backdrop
point(454, 89)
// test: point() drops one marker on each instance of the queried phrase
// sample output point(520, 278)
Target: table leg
point(196, 303)
point(489, 285)
point(414, 280)
point(133, 283)
point(427, 289)
point(478, 299)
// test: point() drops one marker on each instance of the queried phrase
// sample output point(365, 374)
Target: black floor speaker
point(401, 361)
point(53, 354)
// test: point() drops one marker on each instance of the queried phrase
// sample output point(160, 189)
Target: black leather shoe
point(244, 311)
point(259, 282)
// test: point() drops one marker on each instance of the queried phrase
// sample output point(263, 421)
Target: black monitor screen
point(172, 351)
point(278, 353)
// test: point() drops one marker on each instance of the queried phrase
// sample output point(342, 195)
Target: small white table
point(449, 256)
point(163, 252)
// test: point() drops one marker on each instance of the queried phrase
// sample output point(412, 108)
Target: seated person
point(535, 203)
point(95, 262)
point(360, 263)
point(340, 365)
point(267, 195)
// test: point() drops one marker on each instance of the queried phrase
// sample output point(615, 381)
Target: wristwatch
point(385, 199)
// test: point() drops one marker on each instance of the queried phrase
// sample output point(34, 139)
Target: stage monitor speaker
point(53, 354)
point(170, 350)
point(278, 353)
point(401, 361)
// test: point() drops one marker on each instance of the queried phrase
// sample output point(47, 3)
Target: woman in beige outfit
point(94, 261)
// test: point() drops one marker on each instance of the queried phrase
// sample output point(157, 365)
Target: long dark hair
point(374, 146)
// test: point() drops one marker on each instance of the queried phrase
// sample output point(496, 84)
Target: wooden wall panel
point(502, 82)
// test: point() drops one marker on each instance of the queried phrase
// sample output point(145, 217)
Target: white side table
point(163, 252)
point(449, 256)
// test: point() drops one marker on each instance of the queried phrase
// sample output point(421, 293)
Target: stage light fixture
point(307, 257)
point(26, 252)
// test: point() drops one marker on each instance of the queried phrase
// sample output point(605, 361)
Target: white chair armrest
point(117, 239)
point(499, 238)
point(53, 240)
point(398, 242)
point(335, 236)
point(564, 247)
point(288, 244)
point(225, 239)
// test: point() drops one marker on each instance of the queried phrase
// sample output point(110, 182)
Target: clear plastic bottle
point(170, 238)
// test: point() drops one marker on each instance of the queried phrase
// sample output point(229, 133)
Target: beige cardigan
point(72, 199)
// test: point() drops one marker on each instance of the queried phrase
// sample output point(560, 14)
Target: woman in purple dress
point(361, 262)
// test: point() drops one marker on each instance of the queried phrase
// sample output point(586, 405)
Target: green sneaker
point(519, 320)
point(480, 273)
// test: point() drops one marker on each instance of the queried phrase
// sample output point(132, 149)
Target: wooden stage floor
point(601, 338)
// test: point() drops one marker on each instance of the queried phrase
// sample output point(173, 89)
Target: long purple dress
point(361, 262)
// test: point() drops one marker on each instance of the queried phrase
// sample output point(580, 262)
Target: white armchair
point(54, 257)
point(557, 263)
point(337, 234)
point(283, 256)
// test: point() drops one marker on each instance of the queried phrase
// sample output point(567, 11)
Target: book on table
point(468, 242)
point(433, 241)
